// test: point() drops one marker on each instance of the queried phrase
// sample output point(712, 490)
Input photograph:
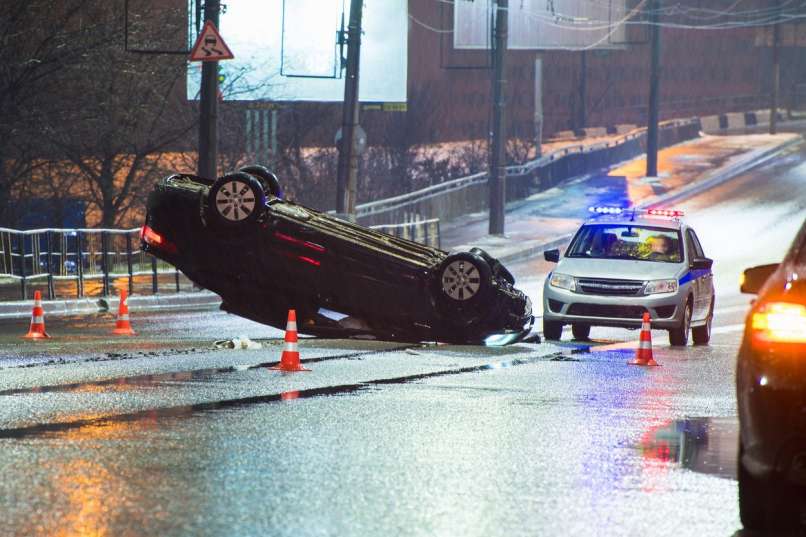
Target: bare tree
point(40, 40)
point(122, 117)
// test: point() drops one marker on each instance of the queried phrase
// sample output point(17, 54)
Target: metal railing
point(468, 194)
point(66, 262)
point(422, 231)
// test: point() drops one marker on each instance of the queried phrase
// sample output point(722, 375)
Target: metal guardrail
point(422, 231)
point(458, 192)
point(76, 255)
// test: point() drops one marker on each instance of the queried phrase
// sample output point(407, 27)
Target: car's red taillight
point(152, 238)
point(779, 322)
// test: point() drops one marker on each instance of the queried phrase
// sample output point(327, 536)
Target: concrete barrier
point(736, 120)
point(710, 123)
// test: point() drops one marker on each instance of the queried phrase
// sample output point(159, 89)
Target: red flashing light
point(668, 213)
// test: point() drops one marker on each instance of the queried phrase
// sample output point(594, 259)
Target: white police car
point(625, 262)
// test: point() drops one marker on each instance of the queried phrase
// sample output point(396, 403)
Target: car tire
point(752, 501)
point(581, 331)
point(552, 330)
point(678, 337)
point(702, 334)
point(463, 282)
point(765, 505)
point(271, 185)
point(235, 200)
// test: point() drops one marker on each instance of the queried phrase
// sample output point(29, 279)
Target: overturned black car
point(238, 237)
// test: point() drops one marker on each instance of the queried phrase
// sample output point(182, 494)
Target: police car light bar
point(669, 213)
point(605, 210)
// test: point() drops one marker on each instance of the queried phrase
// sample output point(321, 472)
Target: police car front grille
point(591, 286)
point(606, 310)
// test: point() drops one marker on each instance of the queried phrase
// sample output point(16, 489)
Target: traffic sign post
point(209, 49)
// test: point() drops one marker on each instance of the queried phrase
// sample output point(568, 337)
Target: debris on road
point(240, 342)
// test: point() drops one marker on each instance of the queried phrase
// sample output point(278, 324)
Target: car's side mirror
point(699, 263)
point(753, 279)
point(552, 255)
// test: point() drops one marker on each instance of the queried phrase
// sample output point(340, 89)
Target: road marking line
point(727, 329)
point(732, 309)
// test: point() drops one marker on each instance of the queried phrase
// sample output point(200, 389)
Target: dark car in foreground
point(771, 394)
point(264, 255)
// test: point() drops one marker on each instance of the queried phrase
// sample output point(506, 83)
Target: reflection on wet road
point(164, 434)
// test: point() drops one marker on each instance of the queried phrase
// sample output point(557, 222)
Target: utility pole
point(208, 105)
point(654, 92)
point(347, 178)
point(776, 70)
point(583, 90)
point(498, 146)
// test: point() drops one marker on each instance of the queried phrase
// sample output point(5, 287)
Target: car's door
point(702, 278)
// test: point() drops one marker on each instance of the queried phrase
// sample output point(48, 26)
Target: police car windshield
point(624, 241)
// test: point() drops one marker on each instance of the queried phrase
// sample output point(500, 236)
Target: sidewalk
point(548, 219)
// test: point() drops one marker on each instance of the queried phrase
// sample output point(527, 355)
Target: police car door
point(701, 278)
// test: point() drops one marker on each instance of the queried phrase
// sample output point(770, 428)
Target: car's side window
point(695, 249)
point(696, 242)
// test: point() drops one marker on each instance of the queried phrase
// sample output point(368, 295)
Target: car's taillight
point(152, 238)
point(779, 322)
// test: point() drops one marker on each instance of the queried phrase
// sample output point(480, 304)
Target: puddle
point(704, 445)
point(155, 380)
point(190, 410)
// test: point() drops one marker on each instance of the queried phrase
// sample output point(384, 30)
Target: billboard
point(543, 24)
point(286, 50)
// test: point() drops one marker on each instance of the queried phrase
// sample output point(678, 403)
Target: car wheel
point(235, 200)
point(581, 331)
point(702, 334)
point(464, 280)
point(751, 499)
point(271, 185)
point(552, 330)
point(679, 336)
point(764, 504)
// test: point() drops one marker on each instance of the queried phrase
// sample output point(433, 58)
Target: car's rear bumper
point(771, 396)
point(560, 305)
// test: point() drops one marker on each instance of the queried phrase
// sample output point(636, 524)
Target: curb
point(84, 306)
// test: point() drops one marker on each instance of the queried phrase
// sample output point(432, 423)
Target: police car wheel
point(235, 200)
point(552, 330)
point(581, 331)
point(702, 334)
point(678, 337)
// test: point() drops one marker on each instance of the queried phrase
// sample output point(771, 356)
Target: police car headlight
point(660, 286)
point(563, 281)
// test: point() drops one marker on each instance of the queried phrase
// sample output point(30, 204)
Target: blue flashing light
point(605, 210)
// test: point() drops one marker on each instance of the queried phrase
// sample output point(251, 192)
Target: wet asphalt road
point(163, 434)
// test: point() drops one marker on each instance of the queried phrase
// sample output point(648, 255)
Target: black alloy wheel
point(270, 182)
point(236, 200)
point(464, 281)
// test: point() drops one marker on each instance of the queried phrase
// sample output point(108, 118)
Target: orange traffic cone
point(122, 325)
point(290, 359)
point(643, 354)
point(37, 330)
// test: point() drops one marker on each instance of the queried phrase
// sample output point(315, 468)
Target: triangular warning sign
point(209, 46)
